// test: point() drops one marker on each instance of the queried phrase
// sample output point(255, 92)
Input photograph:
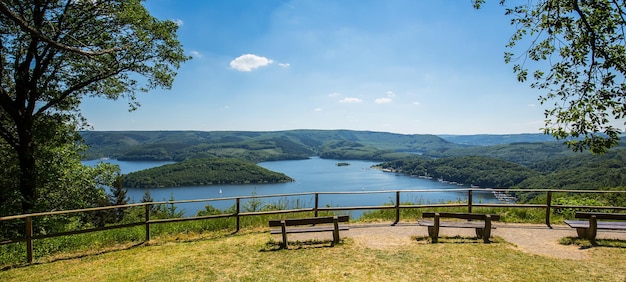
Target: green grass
point(254, 256)
point(211, 250)
point(15, 253)
point(585, 244)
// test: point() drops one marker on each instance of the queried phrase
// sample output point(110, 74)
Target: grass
point(457, 239)
point(585, 244)
point(253, 255)
point(15, 254)
point(210, 250)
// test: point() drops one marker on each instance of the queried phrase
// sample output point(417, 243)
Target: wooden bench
point(313, 221)
point(588, 229)
point(478, 221)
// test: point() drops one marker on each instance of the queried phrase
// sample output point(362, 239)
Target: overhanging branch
point(35, 32)
point(75, 88)
point(8, 137)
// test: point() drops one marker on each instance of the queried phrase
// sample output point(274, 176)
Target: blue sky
point(411, 67)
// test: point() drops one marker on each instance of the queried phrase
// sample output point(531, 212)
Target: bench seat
point(310, 229)
point(588, 228)
point(480, 222)
point(455, 224)
point(607, 225)
point(313, 222)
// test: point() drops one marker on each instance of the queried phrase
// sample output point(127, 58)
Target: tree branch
point(6, 135)
point(592, 34)
point(74, 88)
point(5, 102)
point(36, 33)
point(621, 15)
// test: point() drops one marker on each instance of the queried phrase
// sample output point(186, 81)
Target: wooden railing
point(397, 206)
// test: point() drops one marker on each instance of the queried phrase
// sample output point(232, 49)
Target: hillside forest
point(478, 160)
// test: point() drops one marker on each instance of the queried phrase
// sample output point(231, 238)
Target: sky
point(401, 66)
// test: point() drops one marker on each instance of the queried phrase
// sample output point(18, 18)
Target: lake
point(311, 175)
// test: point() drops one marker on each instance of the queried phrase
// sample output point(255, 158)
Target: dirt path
point(531, 238)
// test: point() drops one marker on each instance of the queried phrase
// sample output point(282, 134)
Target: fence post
point(548, 208)
point(397, 208)
point(469, 200)
point(148, 222)
point(317, 203)
point(29, 239)
point(237, 213)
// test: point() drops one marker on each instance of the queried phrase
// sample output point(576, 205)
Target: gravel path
point(531, 238)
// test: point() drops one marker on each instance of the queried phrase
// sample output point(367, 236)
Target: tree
point(147, 198)
point(171, 210)
point(69, 185)
point(118, 197)
point(583, 42)
point(55, 52)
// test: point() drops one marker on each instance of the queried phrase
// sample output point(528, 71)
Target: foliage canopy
point(53, 53)
point(583, 44)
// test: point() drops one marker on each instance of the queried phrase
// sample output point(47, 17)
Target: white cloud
point(334, 94)
point(391, 94)
point(531, 105)
point(196, 54)
point(178, 22)
point(350, 100)
point(317, 110)
point(416, 103)
point(248, 62)
point(382, 101)
point(284, 65)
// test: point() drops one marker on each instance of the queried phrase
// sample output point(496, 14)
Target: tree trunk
point(28, 174)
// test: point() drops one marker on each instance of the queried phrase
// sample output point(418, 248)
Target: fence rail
point(397, 206)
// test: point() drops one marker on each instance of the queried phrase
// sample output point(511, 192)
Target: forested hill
point(260, 146)
point(521, 164)
point(205, 171)
point(579, 171)
point(498, 139)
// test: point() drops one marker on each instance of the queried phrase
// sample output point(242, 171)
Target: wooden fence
point(397, 206)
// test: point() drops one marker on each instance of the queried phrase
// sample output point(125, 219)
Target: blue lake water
point(311, 175)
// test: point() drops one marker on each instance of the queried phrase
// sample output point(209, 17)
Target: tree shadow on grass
point(71, 256)
point(457, 239)
point(586, 244)
point(273, 245)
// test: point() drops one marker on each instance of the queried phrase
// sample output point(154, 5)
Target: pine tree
point(118, 197)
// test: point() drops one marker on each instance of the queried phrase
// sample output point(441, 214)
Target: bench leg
point(582, 233)
point(336, 231)
point(486, 235)
point(479, 233)
point(593, 229)
point(284, 231)
point(487, 231)
point(433, 231)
